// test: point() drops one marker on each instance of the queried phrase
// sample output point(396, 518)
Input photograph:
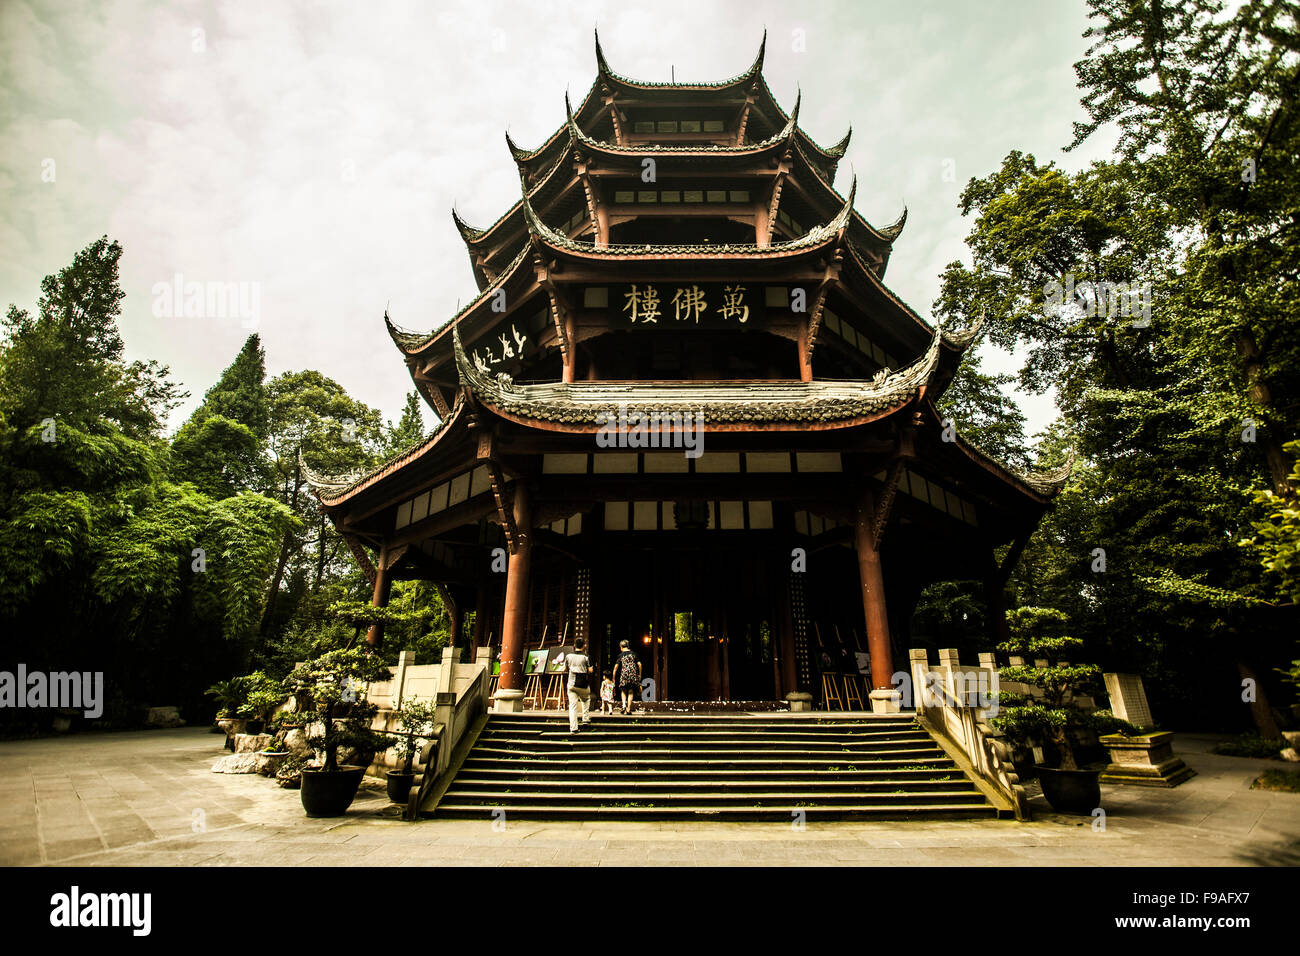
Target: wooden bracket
point(391, 556)
point(778, 183)
point(829, 277)
point(1009, 562)
point(504, 497)
point(607, 96)
point(560, 309)
point(743, 120)
point(593, 197)
point(886, 502)
point(363, 559)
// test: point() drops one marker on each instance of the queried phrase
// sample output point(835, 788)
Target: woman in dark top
point(627, 674)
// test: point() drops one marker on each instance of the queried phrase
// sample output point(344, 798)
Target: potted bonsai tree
point(330, 689)
point(230, 696)
point(1051, 716)
point(262, 694)
point(415, 718)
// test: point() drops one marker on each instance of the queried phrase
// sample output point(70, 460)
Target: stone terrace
point(149, 799)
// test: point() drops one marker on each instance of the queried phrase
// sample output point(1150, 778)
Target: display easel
point(533, 682)
point(852, 682)
point(831, 692)
point(830, 683)
point(555, 687)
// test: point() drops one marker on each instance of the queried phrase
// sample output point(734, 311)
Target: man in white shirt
point(578, 664)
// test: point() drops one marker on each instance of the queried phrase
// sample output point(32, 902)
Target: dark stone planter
point(1071, 791)
point(399, 785)
point(231, 726)
point(329, 793)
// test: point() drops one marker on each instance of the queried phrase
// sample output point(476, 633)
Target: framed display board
point(555, 665)
point(536, 663)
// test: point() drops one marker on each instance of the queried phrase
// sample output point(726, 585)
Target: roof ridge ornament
point(520, 154)
point(467, 232)
point(962, 338)
point(602, 65)
point(842, 147)
point(784, 136)
point(402, 337)
point(1048, 481)
point(841, 221)
point(326, 483)
point(755, 69)
point(895, 228)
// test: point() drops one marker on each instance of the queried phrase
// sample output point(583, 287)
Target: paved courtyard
point(150, 799)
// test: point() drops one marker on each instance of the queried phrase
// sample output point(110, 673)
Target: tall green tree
point(313, 422)
point(409, 429)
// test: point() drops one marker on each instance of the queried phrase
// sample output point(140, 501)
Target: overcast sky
point(316, 149)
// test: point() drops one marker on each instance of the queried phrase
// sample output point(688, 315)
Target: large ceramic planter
point(329, 793)
point(1071, 791)
point(1144, 761)
point(399, 785)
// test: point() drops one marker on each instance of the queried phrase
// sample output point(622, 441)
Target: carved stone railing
point(461, 701)
point(954, 704)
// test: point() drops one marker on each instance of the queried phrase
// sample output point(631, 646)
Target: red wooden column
point(510, 687)
point(379, 597)
point(570, 358)
point(453, 611)
point(884, 699)
point(805, 355)
point(480, 615)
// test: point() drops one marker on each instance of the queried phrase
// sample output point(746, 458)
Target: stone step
point(898, 811)
point(860, 722)
point(659, 751)
point(710, 758)
point(773, 798)
point(712, 776)
point(693, 766)
point(816, 783)
point(599, 735)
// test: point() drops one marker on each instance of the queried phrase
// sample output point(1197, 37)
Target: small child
point(607, 693)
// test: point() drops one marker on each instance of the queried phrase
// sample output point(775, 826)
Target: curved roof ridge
point(335, 490)
point(836, 193)
point(542, 182)
point(962, 338)
point(834, 153)
point(576, 133)
point(887, 291)
point(755, 69)
point(411, 342)
point(1045, 483)
point(584, 403)
point(467, 232)
point(818, 235)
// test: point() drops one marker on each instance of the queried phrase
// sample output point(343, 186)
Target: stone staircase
point(716, 766)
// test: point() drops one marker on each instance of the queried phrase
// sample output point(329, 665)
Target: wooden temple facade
point(685, 410)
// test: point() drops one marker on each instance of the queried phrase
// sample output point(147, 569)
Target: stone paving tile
point(129, 799)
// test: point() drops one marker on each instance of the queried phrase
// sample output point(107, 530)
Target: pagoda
point(684, 410)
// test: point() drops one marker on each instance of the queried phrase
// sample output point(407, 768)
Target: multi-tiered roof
point(587, 220)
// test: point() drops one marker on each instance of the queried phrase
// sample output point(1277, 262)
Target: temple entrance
point(699, 620)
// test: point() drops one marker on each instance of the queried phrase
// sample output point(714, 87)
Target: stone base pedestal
point(508, 701)
point(885, 701)
point(1146, 761)
point(799, 701)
